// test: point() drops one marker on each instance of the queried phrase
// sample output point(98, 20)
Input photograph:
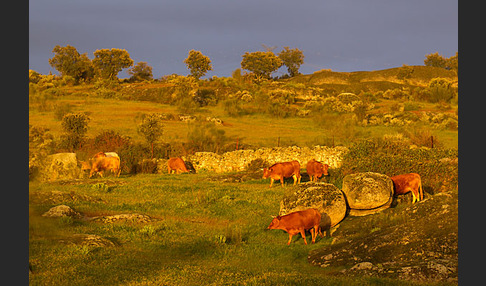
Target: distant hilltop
point(391, 78)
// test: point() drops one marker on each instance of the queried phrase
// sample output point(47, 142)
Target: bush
point(381, 157)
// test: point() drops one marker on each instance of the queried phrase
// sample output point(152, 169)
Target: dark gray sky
point(342, 35)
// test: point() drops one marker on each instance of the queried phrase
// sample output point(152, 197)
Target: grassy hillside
point(121, 106)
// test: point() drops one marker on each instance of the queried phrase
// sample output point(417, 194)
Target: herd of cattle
point(292, 223)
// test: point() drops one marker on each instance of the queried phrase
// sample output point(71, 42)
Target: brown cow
point(298, 222)
point(176, 164)
point(105, 154)
point(316, 169)
point(279, 171)
point(101, 164)
point(408, 183)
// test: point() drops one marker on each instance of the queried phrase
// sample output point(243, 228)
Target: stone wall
point(239, 160)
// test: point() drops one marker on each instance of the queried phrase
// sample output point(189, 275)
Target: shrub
point(206, 137)
point(377, 156)
point(75, 126)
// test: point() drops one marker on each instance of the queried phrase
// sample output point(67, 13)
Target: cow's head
point(266, 173)
point(275, 222)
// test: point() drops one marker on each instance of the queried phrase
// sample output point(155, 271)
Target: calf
point(298, 222)
point(279, 171)
point(316, 169)
point(176, 164)
point(101, 164)
point(408, 183)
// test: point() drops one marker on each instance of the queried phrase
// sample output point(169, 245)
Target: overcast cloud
point(341, 35)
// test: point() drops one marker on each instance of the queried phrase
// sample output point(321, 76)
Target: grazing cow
point(408, 183)
point(176, 164)
point(298, 222)
point(279, 171)
point(105, 154)
point(101, 164)
point(316, 169)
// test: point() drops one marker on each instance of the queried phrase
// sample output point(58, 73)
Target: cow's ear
point(273, 216)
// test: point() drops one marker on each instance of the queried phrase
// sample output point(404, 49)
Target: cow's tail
point(421, 192)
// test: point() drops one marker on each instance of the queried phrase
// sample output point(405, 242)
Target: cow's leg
point(314, 233)
point(290, 239)
point(271, 182)
point(295, 178)
point(302, 233)
point(414, 197)
point(282, 181)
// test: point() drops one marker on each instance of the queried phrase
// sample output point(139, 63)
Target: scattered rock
point(122, 217)
point(62, 211)
point(362, 266)
point(88, 240)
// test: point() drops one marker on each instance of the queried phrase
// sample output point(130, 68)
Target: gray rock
point(368, 191)
point(362, 266)
point(61, 211)
point(326, 198)
point(60, 166)
point(88, 240)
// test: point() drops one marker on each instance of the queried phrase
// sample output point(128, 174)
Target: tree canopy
point(69, 62)
point(292, 59)
point(436, 60)
point(262, 64)
point(141, 71)
point(110, 62)
point(198, 63)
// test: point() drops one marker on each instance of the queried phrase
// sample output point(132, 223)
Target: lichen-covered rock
point(326, 198)
point(139, 218)
point(60, 166)
point(88, 240)
point(367, 191)
point(61, 211)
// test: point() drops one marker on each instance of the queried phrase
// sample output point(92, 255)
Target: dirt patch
point(409, 242)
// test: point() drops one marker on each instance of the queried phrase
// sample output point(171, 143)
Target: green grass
point(258, 130)
point(206, 233)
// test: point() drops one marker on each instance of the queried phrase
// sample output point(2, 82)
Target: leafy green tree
point(69, 62)
point(141, 71)
point(198, 63)
point(435, 60)
point(75, 126)
point(151, 129)
point(261, 64)
point(110, 62)
point(292, 59)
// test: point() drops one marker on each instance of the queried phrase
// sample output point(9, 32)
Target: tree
point(70, 63)
point(110, 62)
point(436, 60)
point(262, 64)
point(151, 128)
point(141, 71)
point(75, 126)
point(292, 59)
point(198, 63)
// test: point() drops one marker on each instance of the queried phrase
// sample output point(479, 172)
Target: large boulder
point(368, 192)
point(326, 198)
point(61, 166)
